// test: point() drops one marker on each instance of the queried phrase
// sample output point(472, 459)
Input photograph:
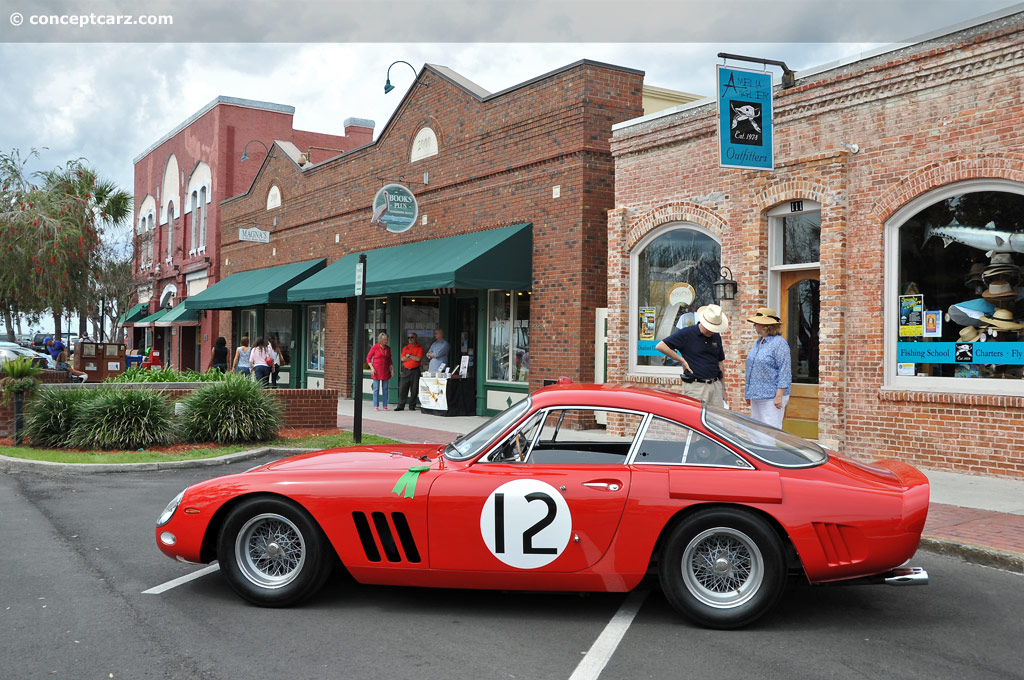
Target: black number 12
point(528, 547)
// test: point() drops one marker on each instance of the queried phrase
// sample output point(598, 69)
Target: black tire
point(272, 552)
point(723, 567)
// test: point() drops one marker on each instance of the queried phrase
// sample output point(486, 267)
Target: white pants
point(765, 411)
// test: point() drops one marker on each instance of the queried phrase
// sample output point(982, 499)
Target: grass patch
point(192, 453)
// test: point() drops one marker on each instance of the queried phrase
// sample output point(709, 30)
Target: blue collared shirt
point(768, 368)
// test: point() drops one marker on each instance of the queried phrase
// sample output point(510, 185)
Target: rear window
point(764, 442)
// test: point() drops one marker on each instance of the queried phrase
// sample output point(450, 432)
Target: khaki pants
point(709, 392)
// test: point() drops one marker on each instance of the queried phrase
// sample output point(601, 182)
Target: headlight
point(168, 512)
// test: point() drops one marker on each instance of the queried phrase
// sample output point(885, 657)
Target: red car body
point(557, 516)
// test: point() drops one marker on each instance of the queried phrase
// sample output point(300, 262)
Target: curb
point(975, 554)
point(8, 464)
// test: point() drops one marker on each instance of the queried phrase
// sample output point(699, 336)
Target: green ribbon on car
point(407, 482)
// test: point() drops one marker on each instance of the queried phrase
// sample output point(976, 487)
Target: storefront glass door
point(800, 314)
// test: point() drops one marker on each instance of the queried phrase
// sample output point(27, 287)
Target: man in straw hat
point(698, 349)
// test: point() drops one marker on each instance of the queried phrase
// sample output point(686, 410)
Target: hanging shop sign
point(745, 108)
point(253, 234)
point(394, 208)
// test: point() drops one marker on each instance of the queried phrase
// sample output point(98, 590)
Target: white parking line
point(164, 587)
point(600, 653)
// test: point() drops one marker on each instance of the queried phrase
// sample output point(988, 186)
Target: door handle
point(610, 486)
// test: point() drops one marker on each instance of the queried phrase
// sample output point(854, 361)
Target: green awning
point(495, 258)
point(256, 287)
point(134, 313)
point(152, 318)
point(179, 315)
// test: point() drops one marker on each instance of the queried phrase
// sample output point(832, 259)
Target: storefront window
point(247, 324)
point(672, 277)
point(958, 295)
point(508, 335)
point(376, 323)
point(420, 315)
point(315, 335)
point(278, 324)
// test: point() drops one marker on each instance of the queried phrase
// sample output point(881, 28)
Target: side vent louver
point(386, 537)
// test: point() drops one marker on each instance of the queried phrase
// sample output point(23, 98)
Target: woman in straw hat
point(769, 374)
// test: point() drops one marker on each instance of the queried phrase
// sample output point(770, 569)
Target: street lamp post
point(246, 157)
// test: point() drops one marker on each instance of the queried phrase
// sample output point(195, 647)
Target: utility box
point(101, 360)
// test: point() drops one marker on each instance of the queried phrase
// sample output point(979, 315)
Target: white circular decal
point(526, 523)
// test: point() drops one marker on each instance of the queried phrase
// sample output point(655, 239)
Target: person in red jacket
point(409, 383)
point(379, 358)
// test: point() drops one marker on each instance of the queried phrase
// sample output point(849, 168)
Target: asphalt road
point(78, 553)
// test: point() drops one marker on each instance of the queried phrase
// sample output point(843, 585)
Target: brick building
point(888, 235)
point(179, 183)
point(507, 253)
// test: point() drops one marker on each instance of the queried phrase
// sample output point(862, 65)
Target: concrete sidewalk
point(979, 519)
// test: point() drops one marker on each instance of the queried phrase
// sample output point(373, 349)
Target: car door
point(548, 497)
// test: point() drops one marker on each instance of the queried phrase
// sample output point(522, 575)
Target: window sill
point(951, 398)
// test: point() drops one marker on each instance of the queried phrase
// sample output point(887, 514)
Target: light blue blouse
point(768, 368)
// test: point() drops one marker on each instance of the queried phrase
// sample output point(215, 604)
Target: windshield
point(475, 442)
point(774, 447)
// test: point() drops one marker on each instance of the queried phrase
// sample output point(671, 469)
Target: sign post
point(358, 350)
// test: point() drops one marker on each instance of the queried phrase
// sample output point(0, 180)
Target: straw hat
point(1003, 319)
point(1001, 258)
point(713, 318)
point(766, 316)
point(999, 289)
point(969, 334)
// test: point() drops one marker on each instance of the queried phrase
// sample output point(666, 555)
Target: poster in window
point(647, 315)
point(933, 323)
point(911, 316)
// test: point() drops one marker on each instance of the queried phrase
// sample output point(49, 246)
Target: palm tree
point(80, 205)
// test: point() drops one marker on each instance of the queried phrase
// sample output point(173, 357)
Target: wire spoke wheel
point(722, 567)
point(270, 550)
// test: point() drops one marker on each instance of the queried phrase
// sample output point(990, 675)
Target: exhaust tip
point(906, 576)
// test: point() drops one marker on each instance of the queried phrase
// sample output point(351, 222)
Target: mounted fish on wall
point(986, 238)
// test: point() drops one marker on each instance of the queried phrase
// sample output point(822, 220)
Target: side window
point(572, 437)
point(669, 443)
point(516, 448)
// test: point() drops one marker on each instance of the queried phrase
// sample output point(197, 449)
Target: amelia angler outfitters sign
point(745, 136)
point(394, 208)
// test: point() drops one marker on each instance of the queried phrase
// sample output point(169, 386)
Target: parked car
point(723, 507)
point(38, 341)
point(12, 350)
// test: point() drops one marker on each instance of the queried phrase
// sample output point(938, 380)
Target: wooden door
point(799, 308)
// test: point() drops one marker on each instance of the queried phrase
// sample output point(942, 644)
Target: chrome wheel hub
point(269, 551)
point(722, 567)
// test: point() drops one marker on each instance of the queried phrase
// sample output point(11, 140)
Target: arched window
point(671, 272)
point(201, 246)
point(170, 231)
point(954, 307)
point(193, 232)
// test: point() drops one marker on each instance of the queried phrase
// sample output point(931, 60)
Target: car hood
point(378, 457)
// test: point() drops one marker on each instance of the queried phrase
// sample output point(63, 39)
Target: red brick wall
point(218, 138)
point(302, 408)
point(923, 117)
point(497, 163)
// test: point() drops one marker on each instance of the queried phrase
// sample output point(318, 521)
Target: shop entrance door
point(189, 350)
point(800, 306)
point(465, 336)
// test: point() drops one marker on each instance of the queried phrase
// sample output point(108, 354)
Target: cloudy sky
point(108, 101)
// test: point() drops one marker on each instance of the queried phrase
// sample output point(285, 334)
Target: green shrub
point(18, 376)
point(138, 374)
point(231, 411)
point(51, 416)
point(122, 419)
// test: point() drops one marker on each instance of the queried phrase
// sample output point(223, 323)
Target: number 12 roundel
point(526, 523)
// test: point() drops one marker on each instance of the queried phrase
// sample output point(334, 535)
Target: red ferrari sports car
point(575, 488)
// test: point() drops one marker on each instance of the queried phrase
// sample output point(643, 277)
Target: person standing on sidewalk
point(379, 358)
point(699, 351)
point(769, 375)
point(438, 352)
point(260, 361)
point(411, 357)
